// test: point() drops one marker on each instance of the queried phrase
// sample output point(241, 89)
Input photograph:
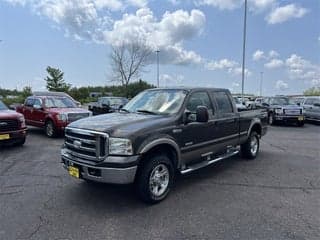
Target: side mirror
point(36, 106)
point(299, 104)
point(202, 114)
point(316, 104)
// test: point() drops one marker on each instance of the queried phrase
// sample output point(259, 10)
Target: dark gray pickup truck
point(159, 133)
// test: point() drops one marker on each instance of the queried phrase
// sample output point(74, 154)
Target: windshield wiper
point(125, 110)
point(146, 111)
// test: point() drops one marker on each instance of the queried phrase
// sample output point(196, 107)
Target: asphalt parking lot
point(277, 196)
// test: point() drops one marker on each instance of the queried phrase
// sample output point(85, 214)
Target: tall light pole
point(244, 48)
point(158, 83)
point(261, 81)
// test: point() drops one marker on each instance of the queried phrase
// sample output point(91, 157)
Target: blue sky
point(200, 41)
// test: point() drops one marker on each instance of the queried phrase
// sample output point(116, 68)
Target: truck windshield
point(281, 101)
point(3, 106)
point(59, 102)
point(163, 101)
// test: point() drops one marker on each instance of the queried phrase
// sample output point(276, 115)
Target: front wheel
point(155, 179)
point(250, 148)
point(50, 129)
point(300, 123)
point(21, 141)
point(271, 119)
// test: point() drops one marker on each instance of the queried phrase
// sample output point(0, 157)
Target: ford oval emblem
point(77, 143)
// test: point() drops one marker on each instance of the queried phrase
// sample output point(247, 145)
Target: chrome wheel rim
point(49, 129)
point(254, 145)
point(159, 180)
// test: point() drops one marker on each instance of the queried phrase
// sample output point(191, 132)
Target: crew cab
point(13, 129)
point(283, 109)
point(311, 106)
point(158, 133)
point(53, 113)
point(107, 105)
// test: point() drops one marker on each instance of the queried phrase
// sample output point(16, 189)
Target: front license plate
point(74, 172)
point(300, 118)
point(4, 136)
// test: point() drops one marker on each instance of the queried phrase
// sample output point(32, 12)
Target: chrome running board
point(197, 166)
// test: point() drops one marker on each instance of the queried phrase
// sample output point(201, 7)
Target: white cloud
point(285, 13)
point(227, 65)
point(274, 63)
point(273, 54)
point(171, 80)
point(221, 64)
point(281, 85)
point(258, 55)
point(301, 69)
point(167, 35)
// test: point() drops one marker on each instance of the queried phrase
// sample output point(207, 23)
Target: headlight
point(62, 117)
point(120, 146)
point(22, 121)
point(278, 111)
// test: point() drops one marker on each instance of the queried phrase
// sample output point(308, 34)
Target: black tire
point(21, 141)
point(271, 119)
point(300, 123)
point(50, 129)
point(143, 180)
point(248, 150)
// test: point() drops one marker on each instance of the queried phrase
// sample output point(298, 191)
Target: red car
point(12, 126)
point(53, 113)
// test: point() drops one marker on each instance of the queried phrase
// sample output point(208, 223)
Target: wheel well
point(256, 128)
point(166, 149)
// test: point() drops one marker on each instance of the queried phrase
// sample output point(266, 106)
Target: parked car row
point(12, 126)
point(107, 105)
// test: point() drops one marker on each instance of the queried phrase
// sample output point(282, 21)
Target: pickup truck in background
point(158, 133)
point(311, 106)
point(107, 105)
point(53, 113)
point(283, 109)
point(13, 129)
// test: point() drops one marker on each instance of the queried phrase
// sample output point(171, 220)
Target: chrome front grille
point(292, 111)
point(76, 116)
point(86, 144)
point(7, 125)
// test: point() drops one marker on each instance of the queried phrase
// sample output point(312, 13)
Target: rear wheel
point(250, 148)
point(50, 129)
point(155, 179)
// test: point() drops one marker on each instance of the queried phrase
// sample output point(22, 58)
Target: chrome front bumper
point(115, 175)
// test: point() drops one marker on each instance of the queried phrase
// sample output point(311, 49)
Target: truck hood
point(67, 110)
point(5, 114)
point(121, 124)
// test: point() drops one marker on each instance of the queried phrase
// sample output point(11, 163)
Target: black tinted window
point(29, 102)
point(223, 102)
point(199, 99)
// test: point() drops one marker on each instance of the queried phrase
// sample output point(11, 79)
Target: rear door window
point(223, 102)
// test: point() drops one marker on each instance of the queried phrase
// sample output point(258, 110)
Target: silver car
point(311, 106)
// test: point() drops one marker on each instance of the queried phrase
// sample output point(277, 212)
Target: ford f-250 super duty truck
point(158, 133)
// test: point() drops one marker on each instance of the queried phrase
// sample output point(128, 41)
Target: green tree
point(26, 92)
point(55, 81)
point(314, 91)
